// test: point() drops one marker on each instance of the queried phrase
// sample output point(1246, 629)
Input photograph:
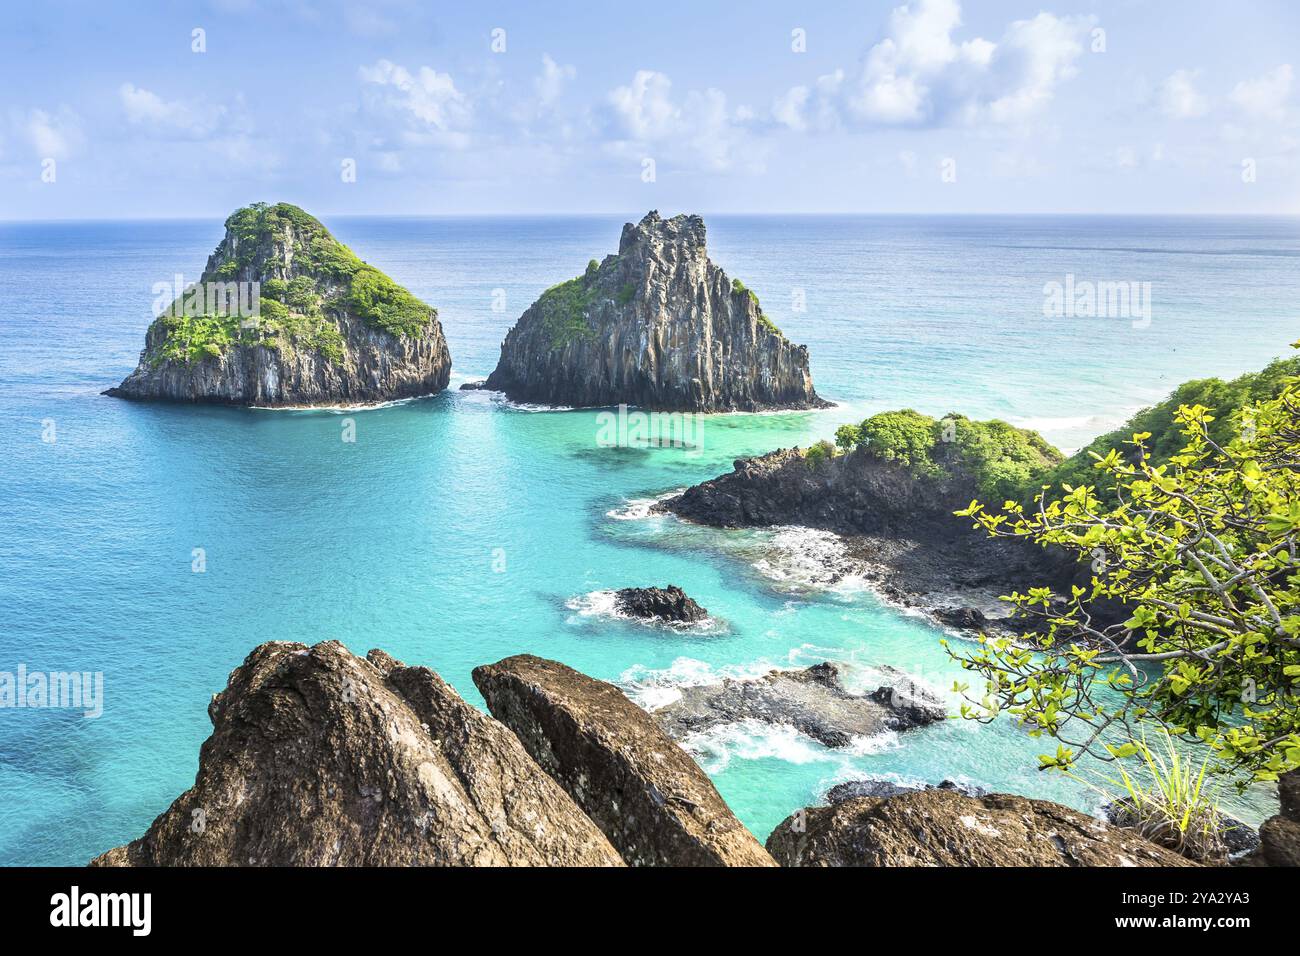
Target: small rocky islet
point(326, 329)
point(657, 325)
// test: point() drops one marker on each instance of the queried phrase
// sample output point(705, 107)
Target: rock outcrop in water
point(941, 827)
point(670, 604)
point(652, 801)
point(813, 701)
point(320, 758)
point(657, 326)
point(329, 329)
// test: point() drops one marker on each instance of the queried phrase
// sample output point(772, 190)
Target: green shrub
point(848, 436)
point(819, 452)
point(1159, 421)
point(1001, 458)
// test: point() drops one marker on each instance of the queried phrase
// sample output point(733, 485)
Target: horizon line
point(614, 213)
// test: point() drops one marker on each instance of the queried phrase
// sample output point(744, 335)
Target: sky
point(191, 109)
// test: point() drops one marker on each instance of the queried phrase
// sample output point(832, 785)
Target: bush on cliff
point(998, 457)
point(1202, 550)
point(1228, 399)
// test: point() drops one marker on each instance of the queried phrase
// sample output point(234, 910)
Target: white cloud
point(144, 108)
point(550, 83)
point(52, 135)
point(1265, 96)
point(697, 128)
point(920, 75)
point(1179, 96)
point(427, 100)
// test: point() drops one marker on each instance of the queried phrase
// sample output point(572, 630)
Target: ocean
point(158, 544)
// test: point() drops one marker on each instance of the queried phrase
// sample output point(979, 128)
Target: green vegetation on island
point(739, 288)
point(999, 458)
point(307, 278)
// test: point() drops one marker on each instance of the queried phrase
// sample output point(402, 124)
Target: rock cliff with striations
point(658, 326)
point(285, 314)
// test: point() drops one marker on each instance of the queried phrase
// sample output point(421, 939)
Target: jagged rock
point(652, 801)
point(813, 701)
point(910, 703)
point(658, 326)
point(321, 758)
point(1279, 842)
point(666, 604)
point(329, 329)
point(939, 827)
point(962, 618)
point(884, 789)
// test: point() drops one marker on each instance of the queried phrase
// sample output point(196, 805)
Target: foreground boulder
point(320, 758)
point(327, 328)
point(813, 701)
point(658, 326)
point(652, 801)
point(669, 604)
point(940, 827)
point(1279, 835)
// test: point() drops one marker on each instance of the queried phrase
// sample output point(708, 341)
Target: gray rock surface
point(330, 329)
point(884, 789)
point(671, 604)
point(320, 758)
point(658, 326)
point(651, 799)
point(813, 701)
point(939, 827)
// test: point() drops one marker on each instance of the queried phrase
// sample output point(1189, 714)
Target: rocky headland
point(327, 328)
point(899, 529)
point(658, 326)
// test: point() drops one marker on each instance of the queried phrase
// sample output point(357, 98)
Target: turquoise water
point(457, 530)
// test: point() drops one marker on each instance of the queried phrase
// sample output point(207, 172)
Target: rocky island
point(659, 326)
point(325, 328)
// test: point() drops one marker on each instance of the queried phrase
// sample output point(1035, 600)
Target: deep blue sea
point(457, 530)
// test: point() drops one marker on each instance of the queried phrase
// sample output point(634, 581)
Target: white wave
point(595, 604)
point(637, 509)
point(716, 747)
point(343, 409)
point(643, 683)
point(803, 559)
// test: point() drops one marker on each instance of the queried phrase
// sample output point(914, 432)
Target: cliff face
point(658, 326)
point(328, 328)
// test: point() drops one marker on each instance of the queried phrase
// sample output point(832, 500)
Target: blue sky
point(933, 106)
